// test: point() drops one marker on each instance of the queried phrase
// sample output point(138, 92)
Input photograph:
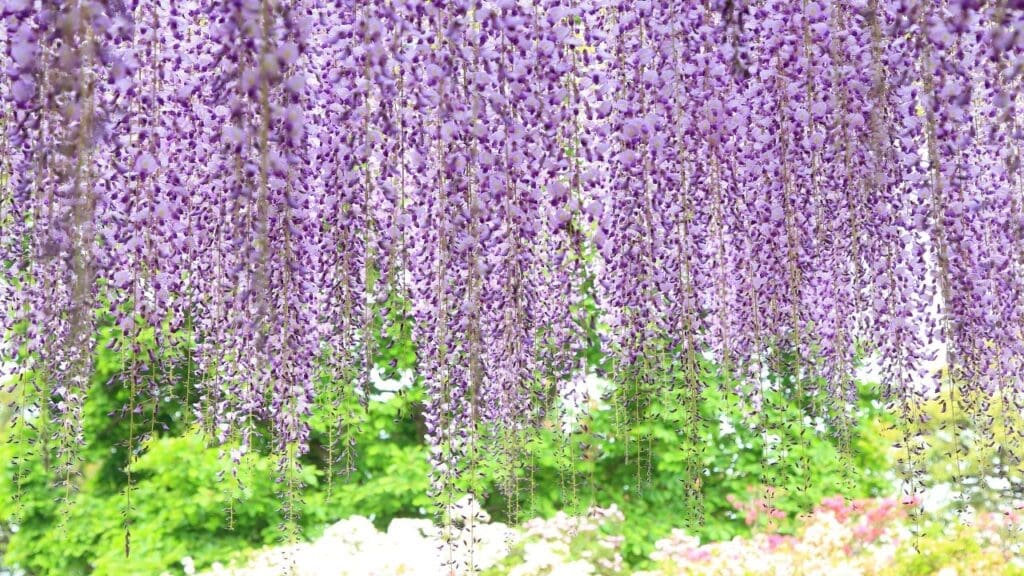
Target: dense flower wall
point(777, 186)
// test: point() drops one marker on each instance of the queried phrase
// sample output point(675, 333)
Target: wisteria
point(769, 186)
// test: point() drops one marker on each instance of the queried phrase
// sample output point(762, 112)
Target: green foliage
point(957, 548)
point(185, 498)
point(186, 502)
point(179, 509)
point(391, 471)
point(973, 444)
point(729, 447)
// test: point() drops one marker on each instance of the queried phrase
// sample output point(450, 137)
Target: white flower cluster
point(552, 543)
point(354, 547)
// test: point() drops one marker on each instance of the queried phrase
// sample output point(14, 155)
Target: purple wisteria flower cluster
point(768, 184)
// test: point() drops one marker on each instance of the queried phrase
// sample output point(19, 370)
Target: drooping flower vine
point(62, 102)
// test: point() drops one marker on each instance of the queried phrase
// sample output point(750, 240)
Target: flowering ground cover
point(870, 537)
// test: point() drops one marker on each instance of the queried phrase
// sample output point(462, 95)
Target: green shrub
point(958, 549)
point(811, 466)
point(179, 509)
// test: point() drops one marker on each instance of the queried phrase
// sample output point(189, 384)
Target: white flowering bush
point(567, 545)
point(409, 547)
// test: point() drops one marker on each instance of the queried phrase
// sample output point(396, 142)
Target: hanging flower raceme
point(60, 128)
point(973, 216)
point(493, 251)
point(229, 235)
